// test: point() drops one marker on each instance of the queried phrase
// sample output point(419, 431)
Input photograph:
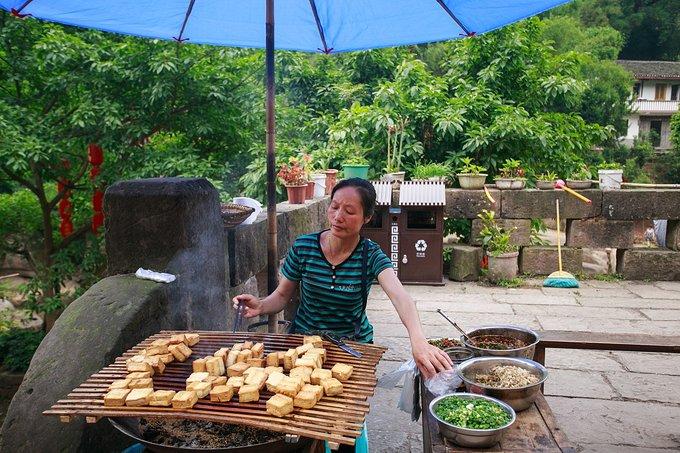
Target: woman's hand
point(430, 359)
point(252, 306)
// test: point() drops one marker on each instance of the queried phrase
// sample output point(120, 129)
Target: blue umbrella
point(327, 26)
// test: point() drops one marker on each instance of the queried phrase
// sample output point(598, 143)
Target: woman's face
point(346, 213)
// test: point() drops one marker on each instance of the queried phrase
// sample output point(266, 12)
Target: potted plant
point(395, 146)
point(580, 179)
point(431, 172)
point(501, 252)
point(306, 162)
point(511, 175)
point(470, 175)
point(294, 178)
point(356, 165)
point(610, 175)
point(546, 180)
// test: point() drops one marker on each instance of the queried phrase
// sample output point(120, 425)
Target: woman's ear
point(367, 219)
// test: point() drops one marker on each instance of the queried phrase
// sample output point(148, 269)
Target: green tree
point(63, 88)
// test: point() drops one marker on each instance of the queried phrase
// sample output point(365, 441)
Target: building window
point(660, 92)
point(675, 92)
point(636, 91)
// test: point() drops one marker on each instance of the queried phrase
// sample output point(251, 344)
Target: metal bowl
point(459, 354)
point(528, 336)
point(467, 437)
point(518, 398)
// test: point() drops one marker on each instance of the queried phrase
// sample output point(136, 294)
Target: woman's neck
point(338, 246)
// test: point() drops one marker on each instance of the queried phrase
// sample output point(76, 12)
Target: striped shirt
point(330, 296)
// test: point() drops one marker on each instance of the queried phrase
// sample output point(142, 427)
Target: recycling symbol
point(421, 245)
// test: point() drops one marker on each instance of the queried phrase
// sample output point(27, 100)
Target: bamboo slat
point(337, 419)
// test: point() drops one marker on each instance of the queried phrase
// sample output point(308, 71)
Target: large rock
point(521, 235)
point(673, 235)
point(111, 317)
point(641, 204)
point(542, 260)
point(600, 233)
point(648, 264)
point(467, 204)
point(465, 263)
point(171, 225)
point(540, 204)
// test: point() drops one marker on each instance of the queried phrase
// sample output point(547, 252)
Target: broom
point(560, 278)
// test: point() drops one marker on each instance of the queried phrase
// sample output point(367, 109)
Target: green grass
point(512, 283)
point(608, 277)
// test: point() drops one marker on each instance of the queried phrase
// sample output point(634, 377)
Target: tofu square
point(198, 365)
point(256, 362)
point(256, 379)
point(140, 383)
point(119, 384)
point(288, 387)
point(342, 372)
point(316, 389)
point(273, 359)
point(139, 375)
point(116, 397)
point(202, 389)
point(280, 405)
point(221, 393)
point(274, 380)
point(191, 339)
point(161, 342)
point(319, 375)
point(139, 397)
point(235, 381)
point(331, 387)
point(156, 363)
point(305, 400)
point(304, 348)
point(315, 340)
point(306, 362)
point(216, 380)
point(244, 355)
point(167, 358)
point(180, 351)
point(232, 357)
point(177, 339)
point(289, 359)
point(215, 366)
point(140, 366)
point(184, 399)
point(302, 372)
point(257, 350)
point(162, 398)
point(248, 393)
point(156, 350)
point(237, 369)
point(247, 344)
point(200, 376)
point(273, 369)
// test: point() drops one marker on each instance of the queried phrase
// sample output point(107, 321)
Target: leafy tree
point(63, 88)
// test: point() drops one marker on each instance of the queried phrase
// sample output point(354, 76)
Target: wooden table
point(534, 430)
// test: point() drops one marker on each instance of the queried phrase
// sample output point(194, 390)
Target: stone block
point(600, 233)
point(112, 316)
point(465, 263)
point(673, 235)
point(542, 260)
point(540, 204)
point(520, 236)
point(648, 264)
point(171, 225)
point(641, 204)
point(466, 204)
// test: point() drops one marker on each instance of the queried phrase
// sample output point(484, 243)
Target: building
point(656, 96)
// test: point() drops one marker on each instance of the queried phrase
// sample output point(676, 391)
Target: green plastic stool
point(360, 446)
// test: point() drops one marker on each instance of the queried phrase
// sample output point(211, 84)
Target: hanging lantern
point(66, 228)
point(98, 201)
point(97, 221)
point(95, 155)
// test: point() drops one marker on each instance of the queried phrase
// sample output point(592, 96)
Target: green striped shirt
point(330, 296)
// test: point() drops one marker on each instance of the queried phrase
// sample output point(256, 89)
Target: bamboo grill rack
point(338, 419)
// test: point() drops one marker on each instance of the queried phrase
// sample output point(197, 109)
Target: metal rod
point(454, 325)
point(272, 255)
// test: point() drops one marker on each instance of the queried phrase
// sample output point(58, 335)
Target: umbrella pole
point(272, 255)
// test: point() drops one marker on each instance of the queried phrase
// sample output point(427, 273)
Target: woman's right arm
point(273, 303)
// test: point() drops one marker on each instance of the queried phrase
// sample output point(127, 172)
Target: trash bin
point(378, 229)
point(420, 232)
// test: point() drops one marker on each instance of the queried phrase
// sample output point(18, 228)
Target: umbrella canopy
point(306, 25)
point(327, 26)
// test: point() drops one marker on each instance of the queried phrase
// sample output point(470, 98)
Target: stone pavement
point(604, 401)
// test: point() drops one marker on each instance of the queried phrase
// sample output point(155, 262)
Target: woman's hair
point(366, 192)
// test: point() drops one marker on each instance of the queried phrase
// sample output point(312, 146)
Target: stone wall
point(610, 221)
point(169, 225)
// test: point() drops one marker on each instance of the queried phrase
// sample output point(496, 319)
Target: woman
point(327, 268)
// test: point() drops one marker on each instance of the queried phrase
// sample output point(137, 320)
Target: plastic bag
point(443, 383)
point(409, 401)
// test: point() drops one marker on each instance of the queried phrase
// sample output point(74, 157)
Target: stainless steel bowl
point(466, 437)
point(527, 336)
point(518, 398)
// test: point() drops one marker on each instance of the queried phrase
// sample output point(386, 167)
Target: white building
point(656, 96)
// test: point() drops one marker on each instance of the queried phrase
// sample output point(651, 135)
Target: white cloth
point(159, 277)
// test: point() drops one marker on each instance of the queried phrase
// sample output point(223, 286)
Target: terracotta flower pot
point(503, 267)
point(331, 179)
point(309, 194)
point(297, 194)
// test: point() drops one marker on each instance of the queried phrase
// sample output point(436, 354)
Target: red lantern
point(66, 228)
point(65, 208)
point(94, 172)
point(97, 221)
point(95, 155)
point(98, 201)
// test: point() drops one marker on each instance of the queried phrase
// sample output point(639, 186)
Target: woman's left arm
point(430, 359)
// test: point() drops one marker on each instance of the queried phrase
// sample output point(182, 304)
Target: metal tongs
point(339, 342)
